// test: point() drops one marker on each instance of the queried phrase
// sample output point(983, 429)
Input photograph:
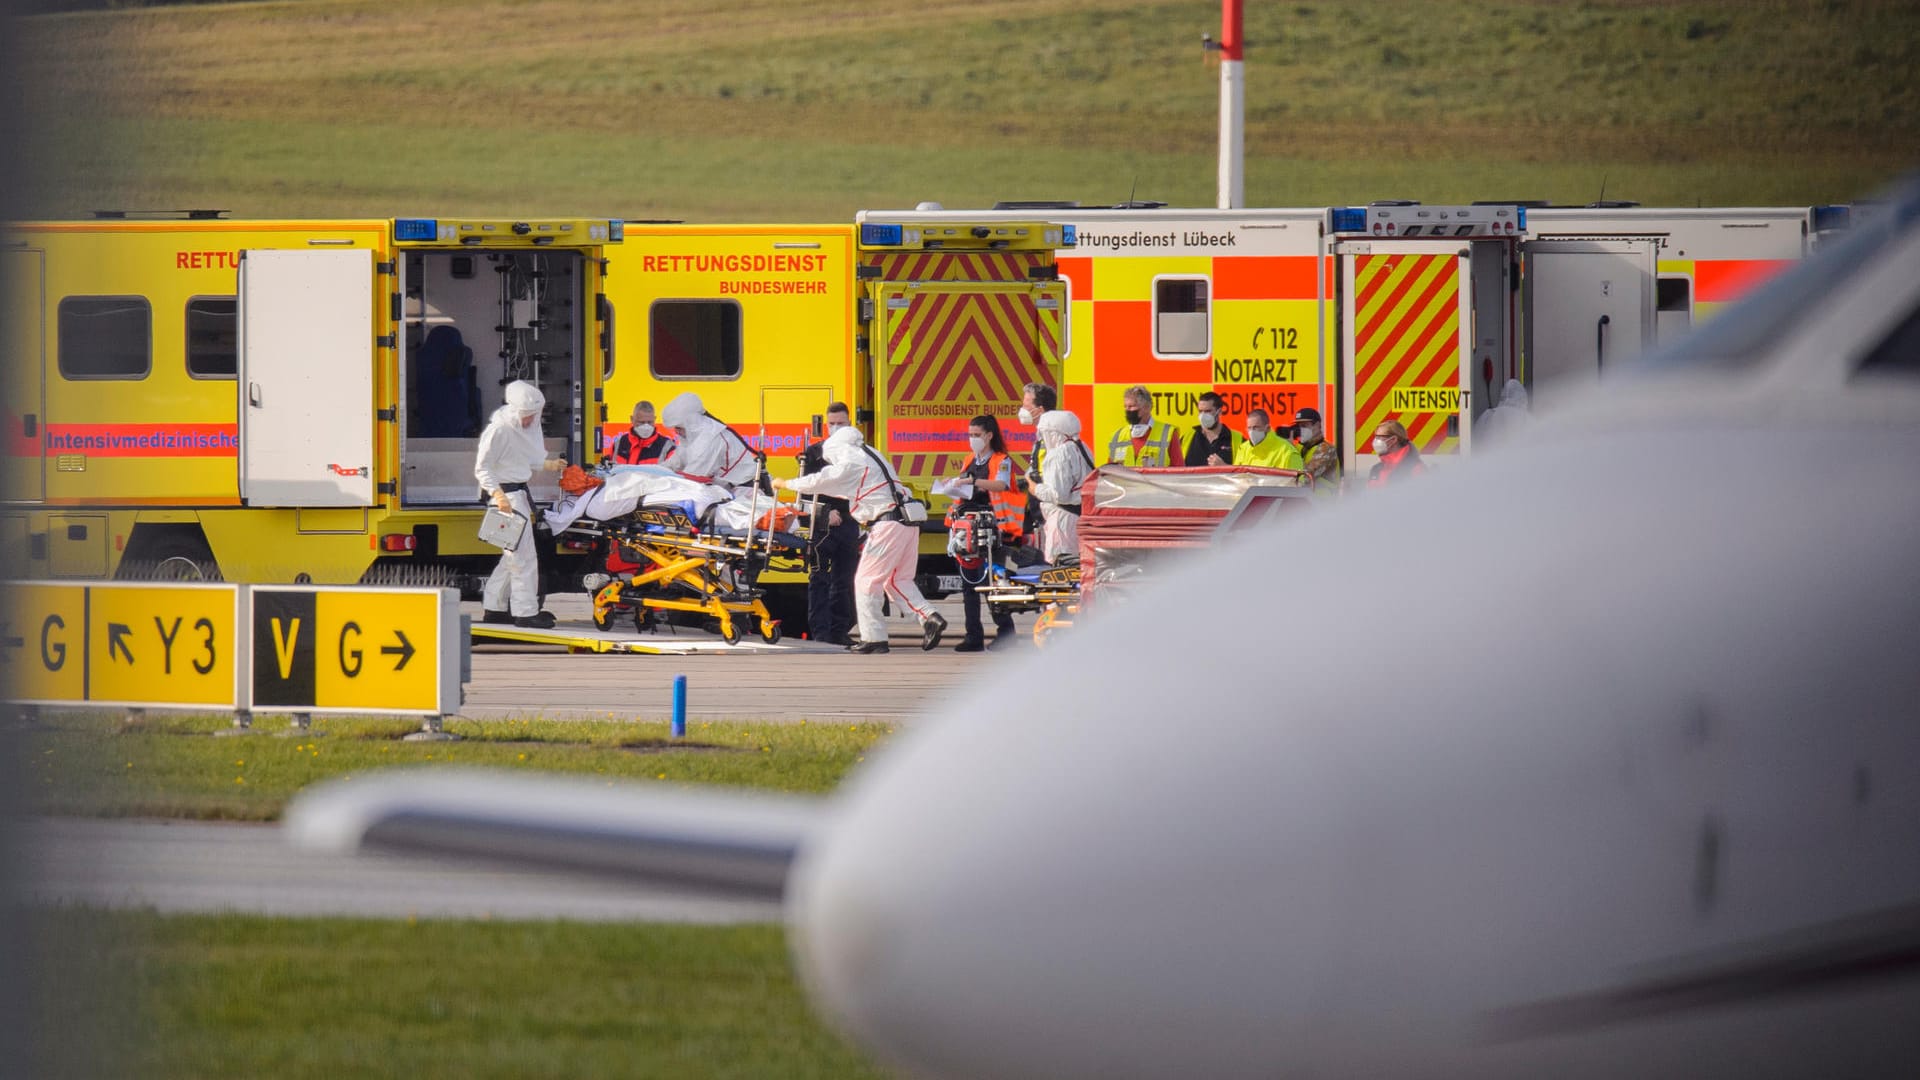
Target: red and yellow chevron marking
point(955, 265)
point(955, 354)
point(1406, 335)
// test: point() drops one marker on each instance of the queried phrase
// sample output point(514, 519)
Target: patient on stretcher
point(632, 487)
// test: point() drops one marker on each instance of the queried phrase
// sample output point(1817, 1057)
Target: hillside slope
point(794, 109)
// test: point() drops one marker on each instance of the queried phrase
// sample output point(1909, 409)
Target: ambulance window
point(694, 339)
point(106, 337)
point(606, 338)
point(1181, 324)
point(212, 337)
point(1675, 294)
point(1066, 317)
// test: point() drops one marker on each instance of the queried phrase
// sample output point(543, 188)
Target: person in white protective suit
point(862, 477)
point(1056, 484)
point(1505, 421)
point(708, 450)
point(512, 447)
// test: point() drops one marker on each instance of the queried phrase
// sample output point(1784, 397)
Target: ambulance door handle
point(30, 425)
point(1600, 342)
point(253, 394)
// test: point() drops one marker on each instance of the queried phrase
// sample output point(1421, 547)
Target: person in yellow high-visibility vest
point(1263, 448)
point(1142, 442)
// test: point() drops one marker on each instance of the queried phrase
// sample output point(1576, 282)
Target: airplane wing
point(739, 844)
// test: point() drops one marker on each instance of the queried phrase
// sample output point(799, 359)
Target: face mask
point(644, 431)
point(1382, 444)
point(1255, 434)
point(1208, 420)
point(1026, 415)
point(978, 442)
point(1309, 433)
point(833, 427)
point(1139, 431)
point(1133, 417)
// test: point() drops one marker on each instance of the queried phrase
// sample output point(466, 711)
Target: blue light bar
point(1350, 219)
point(416, 229)
point(1069, 235)
point(1522, 223)
point(1829, 218)
point(616, 230)
point(880, 235)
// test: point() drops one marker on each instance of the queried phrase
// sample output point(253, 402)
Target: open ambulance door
point(946, 351)
point(1407, 333)
point(306, 378)
point(23, 371)
point(1590, 306)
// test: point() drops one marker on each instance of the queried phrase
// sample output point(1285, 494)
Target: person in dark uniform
point(990, 470)
point(833, 554)
point(1213, 442)
point(643, 442)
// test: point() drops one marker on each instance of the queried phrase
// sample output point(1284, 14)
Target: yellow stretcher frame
point(684, 562)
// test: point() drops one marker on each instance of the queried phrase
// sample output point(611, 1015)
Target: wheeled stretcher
point(668, 554)
point(1053, 591)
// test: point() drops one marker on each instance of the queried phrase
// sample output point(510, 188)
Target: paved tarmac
point(176, 867)
point(215, 867)
point(792, 684)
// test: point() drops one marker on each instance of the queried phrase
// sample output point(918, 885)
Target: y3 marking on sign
point(204, 625)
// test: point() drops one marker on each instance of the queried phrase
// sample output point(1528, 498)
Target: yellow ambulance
point(915, 327)
point(281, 401)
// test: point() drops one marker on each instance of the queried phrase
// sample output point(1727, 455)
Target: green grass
point(811, 109)
point(134, 994)
point(172, 766)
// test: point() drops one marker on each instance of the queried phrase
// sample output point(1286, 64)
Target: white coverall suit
point(706, 451)
point(1066, 468)
point(893, 547)
point(510, 450)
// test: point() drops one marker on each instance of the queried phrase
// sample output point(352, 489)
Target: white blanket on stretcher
point(631, 488)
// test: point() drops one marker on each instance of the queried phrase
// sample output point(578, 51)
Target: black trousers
point(970, 602)
point(833, 561)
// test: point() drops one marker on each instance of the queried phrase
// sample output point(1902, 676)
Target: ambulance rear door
point(1590, 307)
point(946, 351)
point(306, 377)
point(1406, 336)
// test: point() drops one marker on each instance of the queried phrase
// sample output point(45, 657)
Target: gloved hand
point(1033, 478)
point(778, 483)
point(502, 502)
point(553, 464)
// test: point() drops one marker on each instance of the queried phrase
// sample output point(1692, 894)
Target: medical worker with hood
point(861, 477)
point(512, 447)
point(708, 451)
point(1064, 467)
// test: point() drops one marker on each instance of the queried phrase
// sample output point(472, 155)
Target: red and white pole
point(1233, 108)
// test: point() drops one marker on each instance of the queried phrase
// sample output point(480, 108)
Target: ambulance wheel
point(730, 631)
point(770, 631)
point(172, 556)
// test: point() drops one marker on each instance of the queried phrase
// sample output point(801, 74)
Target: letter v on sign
point(283, 648)
point(283, 639)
